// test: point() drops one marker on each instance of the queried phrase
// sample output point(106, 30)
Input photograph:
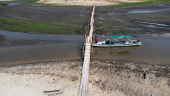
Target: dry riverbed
point(107, 78)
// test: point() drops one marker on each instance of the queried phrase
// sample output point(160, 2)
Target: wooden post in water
point(83, 91)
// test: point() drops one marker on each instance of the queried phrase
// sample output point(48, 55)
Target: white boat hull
point(127, 44)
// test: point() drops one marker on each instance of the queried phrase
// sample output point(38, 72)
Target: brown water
point(38, 53)
point(154, 50)
point(60, 47)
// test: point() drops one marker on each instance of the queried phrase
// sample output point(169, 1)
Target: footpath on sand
point(107, 78)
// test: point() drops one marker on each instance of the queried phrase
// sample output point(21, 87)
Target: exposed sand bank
point(87, 2)
point(107, 78)
point(83, 3)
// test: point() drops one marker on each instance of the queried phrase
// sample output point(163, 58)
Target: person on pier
point(96, 39)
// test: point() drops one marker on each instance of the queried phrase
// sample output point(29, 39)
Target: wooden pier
point(83, 91)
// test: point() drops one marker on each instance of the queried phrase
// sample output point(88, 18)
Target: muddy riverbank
point(35, 18)
point(141, 19)
point(4, 41)
point(107, 78)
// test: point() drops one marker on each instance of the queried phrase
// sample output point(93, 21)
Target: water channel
point(154, 50)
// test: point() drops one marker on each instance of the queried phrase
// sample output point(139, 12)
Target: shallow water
point(27, 36)
point(139, 11)
point(10, 4)
point(136, 29)
point(110, 13)
point(61, 47)
point(154, 25)
point(38, 53)
point(154, 50)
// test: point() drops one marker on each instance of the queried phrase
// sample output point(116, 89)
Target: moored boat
point(118, 43)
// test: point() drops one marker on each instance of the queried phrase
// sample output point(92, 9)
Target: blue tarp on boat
point(122, 36)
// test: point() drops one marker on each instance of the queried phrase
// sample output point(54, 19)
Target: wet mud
point(74, 16)
point(4, 41)
point(139, 19)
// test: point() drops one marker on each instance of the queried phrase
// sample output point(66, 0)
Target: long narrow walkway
point(85, 71)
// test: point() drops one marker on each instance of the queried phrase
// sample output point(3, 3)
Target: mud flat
point(4, 41)
point(141, 19)
point(36, 18)
point(107, 78)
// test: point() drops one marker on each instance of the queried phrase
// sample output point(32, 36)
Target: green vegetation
point(28, 1)
point(48, 5)
point(126, 4)
point(110, 29)
point(103, 11)
point(3, 3)
point(38, 27)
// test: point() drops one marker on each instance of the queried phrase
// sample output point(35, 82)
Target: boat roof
point(121, 36)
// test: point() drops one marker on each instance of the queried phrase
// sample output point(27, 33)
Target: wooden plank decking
point(83, 91)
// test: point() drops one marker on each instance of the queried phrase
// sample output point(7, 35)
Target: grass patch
point(4, 3)
point(38, 27)
point(103, 11)
point(27, 1)
point(48, 5)
point(149, 2)
point(111, 29)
